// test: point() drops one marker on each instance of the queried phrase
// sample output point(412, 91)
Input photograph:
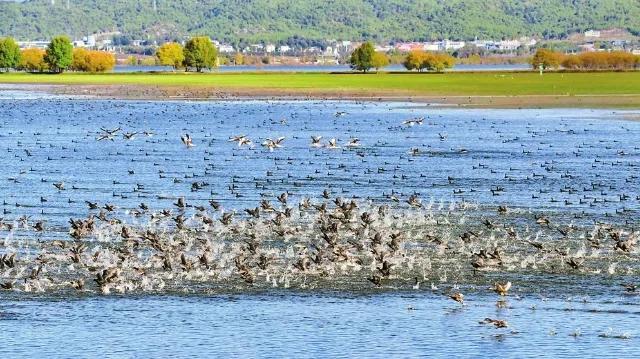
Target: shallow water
point(577, 166)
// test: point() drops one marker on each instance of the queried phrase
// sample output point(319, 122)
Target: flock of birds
point(372, 227)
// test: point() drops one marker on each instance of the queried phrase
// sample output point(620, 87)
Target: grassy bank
point(450, 84)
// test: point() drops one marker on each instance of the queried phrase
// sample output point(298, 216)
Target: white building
point(592, 33)
point(284, 49)
point(431, 46)
point(270, 48)
point(452, 45)
point(224, 48)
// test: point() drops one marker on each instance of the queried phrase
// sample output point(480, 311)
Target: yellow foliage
point(92, 61)
point(171, 54)
point(32, 60)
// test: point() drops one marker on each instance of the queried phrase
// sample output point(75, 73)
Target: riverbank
point(493, 89)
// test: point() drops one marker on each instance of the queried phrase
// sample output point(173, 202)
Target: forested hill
point(278, 20)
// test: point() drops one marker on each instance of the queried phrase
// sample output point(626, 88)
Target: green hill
point(278, 20)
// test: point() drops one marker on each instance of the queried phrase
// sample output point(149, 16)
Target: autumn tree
point(420, 60)
point(380, 60)
point(32, 60)
point(572, 62)
point(415, 60)
point(59, 54)
point(547, 59)
point(238, 59)
point(171, 54)
point(199, 53)
point(9, 54)
point(92, 61)
point(362, 58)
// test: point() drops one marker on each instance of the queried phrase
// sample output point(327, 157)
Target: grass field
point(449, 84)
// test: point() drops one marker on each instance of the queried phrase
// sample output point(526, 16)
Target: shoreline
point(194, 93)
point(209, 93)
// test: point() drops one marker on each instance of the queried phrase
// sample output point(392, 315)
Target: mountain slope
point(277, 20)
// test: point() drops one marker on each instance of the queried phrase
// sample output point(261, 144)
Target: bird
point(187, 140)
point(458, 297)
point(502, 288)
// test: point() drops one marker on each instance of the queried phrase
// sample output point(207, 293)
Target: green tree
point(362, 57)
point(171, 54)
point(9, 54)
point(380, 60)
point(59, 54)
point(199, 53)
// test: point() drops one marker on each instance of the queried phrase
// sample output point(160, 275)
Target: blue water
point(580, 165)
point(321, 68)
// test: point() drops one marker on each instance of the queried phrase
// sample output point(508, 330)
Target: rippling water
point(576, 166)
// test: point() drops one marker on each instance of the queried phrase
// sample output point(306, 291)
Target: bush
point(32, 60)
point(591, 61)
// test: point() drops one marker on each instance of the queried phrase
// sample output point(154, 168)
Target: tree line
point(365, 58)
point(58, 57)
point(585, 61)
point(198, 54)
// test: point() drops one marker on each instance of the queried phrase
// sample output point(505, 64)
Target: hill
point(278, 20)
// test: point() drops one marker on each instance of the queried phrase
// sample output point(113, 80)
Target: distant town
point(141, 51)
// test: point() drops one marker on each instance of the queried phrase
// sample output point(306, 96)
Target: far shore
point(480, 90)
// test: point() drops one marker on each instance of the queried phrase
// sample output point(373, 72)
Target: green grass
point(463, 84)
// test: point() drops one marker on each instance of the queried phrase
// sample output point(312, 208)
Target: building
point(592, 33)
point(33, 44)
point(452, 45)
point(284, 49)
point(224, 48)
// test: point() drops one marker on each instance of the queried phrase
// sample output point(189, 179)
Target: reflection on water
point(445, 179)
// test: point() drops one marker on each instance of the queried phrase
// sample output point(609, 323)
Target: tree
point(92, 61)
point(59, 55)
point(199, 53)
point(438, 62)
point(79, 62)
point(572, 62)
point(362, 57)
point(171, 54)
point(547, 59)
point(415, 60)
point(32, 60)
point(9, 54)
point(380, 60)
point(238, 59)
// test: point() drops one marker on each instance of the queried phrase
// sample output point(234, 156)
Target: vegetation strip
point(449, 84)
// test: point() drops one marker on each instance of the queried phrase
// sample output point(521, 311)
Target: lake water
point(578, 168)
point(321, 68)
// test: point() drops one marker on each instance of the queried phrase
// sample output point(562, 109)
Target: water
point(575, 166)
point(321, 68)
